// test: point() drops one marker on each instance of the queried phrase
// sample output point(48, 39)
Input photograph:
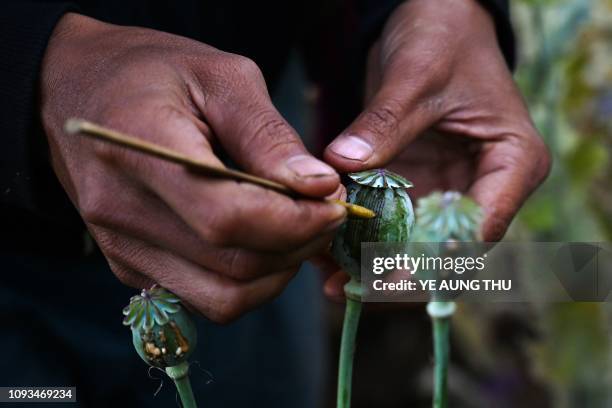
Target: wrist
point(446, 16)
point(73, 26)
point(478, 23)
point(70, 53)
point(72, 32)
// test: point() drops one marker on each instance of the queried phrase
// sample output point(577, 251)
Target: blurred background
point(524, 355)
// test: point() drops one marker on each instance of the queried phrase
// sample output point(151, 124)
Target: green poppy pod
point(447, 216)
point(163, 332)
point(448, 225)
point(384, 192)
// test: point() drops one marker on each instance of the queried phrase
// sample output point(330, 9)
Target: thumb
point(388, 124)
point(261, 142)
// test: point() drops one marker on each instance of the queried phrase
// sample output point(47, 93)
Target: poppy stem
point(441, 313)
point(347, 349)
point(180, 375)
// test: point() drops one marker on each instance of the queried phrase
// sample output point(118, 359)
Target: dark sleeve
point(374, 13)
point(500, 11)
point(25, 28)
point(36, 216)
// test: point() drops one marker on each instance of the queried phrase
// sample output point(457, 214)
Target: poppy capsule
point(447, 216)
point(385, 193)
point(163, 332)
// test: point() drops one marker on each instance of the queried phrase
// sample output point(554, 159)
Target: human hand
point(224, 247)
point(437, 67)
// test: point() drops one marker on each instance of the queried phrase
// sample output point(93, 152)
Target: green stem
point(441, 329)
point(347, 351)
point(441, 313)
point(180, 374)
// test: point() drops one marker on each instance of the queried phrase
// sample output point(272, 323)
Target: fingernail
point(307, 166)
point(352, 148)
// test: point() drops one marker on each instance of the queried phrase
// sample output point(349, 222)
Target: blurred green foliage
point(565, 73)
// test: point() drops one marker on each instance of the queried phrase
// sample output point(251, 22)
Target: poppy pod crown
point(447, 216)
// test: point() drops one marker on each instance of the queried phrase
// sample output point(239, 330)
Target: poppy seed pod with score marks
point(384, 192)
point(163, 335)
point(162, 330)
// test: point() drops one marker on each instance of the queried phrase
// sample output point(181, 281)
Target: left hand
point(437, 66)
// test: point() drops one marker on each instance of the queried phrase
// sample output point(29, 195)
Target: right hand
point(223, 247)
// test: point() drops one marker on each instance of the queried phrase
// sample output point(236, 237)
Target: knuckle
point(270, 134)
point(311, 228)
point(431, 71)
point(286, 217)
point(118, 117)
point(519, 149)
point(113, 247)
point(120, 251)
point(245, 66)
point(231, 306)
point(94, 207)
point(305, 216)
point(236, 78)
point(166, 112)
point(218, 229)
point(228, 261)
point(543, 157)
point(238, 265)
point(383, 120)
point(536, 151)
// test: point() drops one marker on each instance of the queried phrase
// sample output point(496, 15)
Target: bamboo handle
point(80, 126)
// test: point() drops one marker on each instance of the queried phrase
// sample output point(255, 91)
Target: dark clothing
point(66, 330)
point(62, 307)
